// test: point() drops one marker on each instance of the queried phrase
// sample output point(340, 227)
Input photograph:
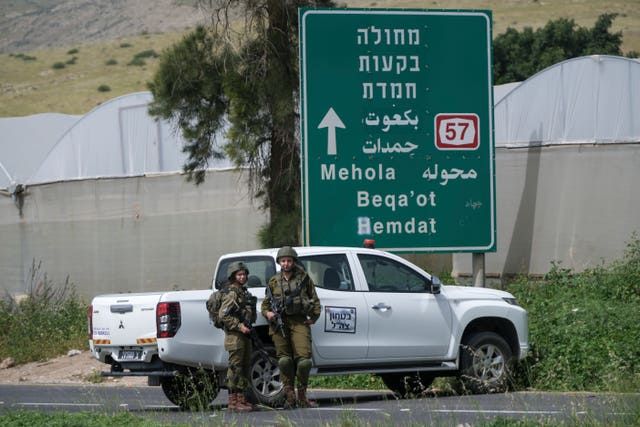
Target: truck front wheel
point(485, 363)
point(192, 389)
point(266, 388)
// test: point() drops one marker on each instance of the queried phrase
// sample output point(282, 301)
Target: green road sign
point(397, 129)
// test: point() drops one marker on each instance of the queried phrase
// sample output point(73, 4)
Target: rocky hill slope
point(27, 25)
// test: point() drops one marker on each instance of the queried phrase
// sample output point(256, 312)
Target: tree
point(518, 56)
point(244, 81)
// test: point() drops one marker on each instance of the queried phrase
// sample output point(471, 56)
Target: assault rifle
point(275, 307)
point(255, 340)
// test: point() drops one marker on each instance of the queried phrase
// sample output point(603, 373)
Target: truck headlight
point(511, 301)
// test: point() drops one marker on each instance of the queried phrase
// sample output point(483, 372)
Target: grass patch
point(583, 328)
point(348, 382)
point(47, 322)
point(78, 419)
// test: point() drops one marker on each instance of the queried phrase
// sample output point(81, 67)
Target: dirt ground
point(78, 369)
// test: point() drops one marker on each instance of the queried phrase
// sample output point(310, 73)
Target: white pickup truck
point(380, 314)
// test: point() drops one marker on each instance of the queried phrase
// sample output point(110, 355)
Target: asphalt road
point(337, 407)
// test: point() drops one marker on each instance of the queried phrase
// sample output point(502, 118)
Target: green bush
point(583, 328)
point(58, 65)
point(150, 53)
point(48, 321)
point(125, 45)
point(104, 88)
point(23, 57)
point(72, 51)
point(137, 62)
point(111, 62)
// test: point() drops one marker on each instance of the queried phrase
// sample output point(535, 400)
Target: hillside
point(68, 56)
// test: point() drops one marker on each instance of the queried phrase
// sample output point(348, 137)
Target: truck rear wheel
point(192, 389)
point(485, 363)
point(266, 388)
point(407, 384)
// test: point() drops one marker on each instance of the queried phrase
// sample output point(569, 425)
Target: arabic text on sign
point(373, 119)
point(373, 148)
point(447, 175)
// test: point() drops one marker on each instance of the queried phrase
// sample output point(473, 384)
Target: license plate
point(130, 355)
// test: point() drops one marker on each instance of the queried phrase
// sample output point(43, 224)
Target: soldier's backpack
point(213, 306)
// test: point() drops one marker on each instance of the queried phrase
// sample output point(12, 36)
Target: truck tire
point(266, 388)
point(407, 384)
point(192, 389)
point(485, 363)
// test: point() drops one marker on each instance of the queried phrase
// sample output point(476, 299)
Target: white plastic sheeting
point(567, 168)
point(25, 143)
point(116, 139)
point(592, 100)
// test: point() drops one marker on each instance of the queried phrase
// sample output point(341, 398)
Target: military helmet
point(287, 251)
point(234, 267)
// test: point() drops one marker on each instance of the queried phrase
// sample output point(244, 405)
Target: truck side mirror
point(435, 285)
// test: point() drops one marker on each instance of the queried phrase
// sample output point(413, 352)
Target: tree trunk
point(284, 163)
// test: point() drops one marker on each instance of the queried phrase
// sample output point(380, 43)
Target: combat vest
point(293, 296)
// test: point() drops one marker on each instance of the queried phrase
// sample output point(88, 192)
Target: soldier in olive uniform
point(299, 309)
point(238, 312)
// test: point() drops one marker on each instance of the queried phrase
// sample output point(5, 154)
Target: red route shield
point(457, 131)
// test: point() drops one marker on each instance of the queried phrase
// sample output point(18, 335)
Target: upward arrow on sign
point(331, 121)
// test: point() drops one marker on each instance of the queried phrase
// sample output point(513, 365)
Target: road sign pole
point(477, 265)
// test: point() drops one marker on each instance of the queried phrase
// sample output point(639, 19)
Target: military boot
point(242, 403)
point(235, 405)
point(233, 402)
point(303, 402)
point(290, 397)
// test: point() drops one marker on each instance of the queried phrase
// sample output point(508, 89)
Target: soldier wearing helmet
point(299, 308)
point(238, 312)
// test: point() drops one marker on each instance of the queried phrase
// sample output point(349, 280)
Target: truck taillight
point(167, 319)
point(90, 321)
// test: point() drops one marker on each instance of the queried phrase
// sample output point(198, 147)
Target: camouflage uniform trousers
point(239, 347)
point(296, 347)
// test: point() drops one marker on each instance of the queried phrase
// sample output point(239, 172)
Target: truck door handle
point(121, 308)
point(381, 306)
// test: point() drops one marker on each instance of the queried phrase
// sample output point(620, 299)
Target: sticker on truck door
point(340, 319)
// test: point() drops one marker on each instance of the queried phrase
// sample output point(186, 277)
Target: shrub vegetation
point(46, 322)
point(583, 328)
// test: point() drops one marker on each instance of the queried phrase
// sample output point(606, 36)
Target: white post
point(477, 265)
